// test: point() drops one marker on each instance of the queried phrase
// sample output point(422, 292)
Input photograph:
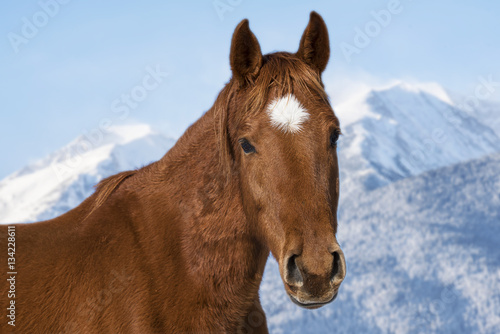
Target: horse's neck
point(203, 216)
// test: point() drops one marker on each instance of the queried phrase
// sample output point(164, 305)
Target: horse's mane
point(106, 187)
point(281, 72)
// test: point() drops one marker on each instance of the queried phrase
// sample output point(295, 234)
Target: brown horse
point(180, 246)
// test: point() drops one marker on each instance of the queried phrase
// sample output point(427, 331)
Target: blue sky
point(73, 70)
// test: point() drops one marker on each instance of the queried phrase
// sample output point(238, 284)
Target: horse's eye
point(334, 137)
point(246, 146)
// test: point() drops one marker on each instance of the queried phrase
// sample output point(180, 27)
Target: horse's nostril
point(293, 275)
point(337, 270)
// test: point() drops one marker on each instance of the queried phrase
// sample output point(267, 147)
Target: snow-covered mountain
point(422, 257)
point(404, 130)
point(488, 112)
point(61, 181)
point(420, 241)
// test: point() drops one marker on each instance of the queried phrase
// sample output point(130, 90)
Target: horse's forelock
point(281, 74)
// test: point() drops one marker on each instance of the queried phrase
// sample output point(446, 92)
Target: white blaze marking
point(287, 114)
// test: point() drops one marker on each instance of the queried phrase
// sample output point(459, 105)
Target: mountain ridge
point(418, 231)
point(403, 131)
point(60, 181)
point(433, 263)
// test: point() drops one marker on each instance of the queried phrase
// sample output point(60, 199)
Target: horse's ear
point(245, 56)
point(314, 46)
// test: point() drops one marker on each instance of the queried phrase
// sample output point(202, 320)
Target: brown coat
point(180, 246)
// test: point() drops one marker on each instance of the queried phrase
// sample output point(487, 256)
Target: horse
point(180, 245)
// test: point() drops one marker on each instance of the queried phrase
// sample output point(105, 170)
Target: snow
point(404, 130)
point(357, 106)
point(62, 180)
point(486, 111)
point(422, 256)
point(418, 219)
point(430, 88)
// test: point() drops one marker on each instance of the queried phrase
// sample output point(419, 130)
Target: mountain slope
point(420, 248)
point(61, 181)
point(405, 130)
point(488, 112)
point(422, 257)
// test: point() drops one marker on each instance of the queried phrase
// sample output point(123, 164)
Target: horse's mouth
point(312, 306)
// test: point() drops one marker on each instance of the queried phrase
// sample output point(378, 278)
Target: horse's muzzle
point(311, 305)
